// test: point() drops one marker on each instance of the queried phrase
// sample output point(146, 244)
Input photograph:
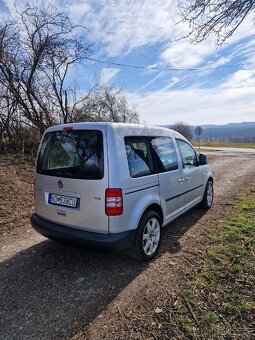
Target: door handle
point(181, 180)
point(188, 178)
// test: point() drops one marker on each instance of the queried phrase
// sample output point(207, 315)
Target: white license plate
point(66, 201)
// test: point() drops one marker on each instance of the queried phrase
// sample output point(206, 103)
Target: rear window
point(72, 154)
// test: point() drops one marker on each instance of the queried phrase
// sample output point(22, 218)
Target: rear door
point(192, 173)
point(71, 178)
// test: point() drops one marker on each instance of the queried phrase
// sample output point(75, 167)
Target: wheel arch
point(157, 208)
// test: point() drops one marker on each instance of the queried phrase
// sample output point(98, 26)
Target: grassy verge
point(218, 301)
point(227, 145)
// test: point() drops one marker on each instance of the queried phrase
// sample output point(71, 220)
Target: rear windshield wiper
point(63, 171)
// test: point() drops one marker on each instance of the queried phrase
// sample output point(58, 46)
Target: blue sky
point(138, 32)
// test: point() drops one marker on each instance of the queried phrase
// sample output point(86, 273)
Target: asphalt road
point(49, 290)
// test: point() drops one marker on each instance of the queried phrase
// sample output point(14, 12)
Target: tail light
point(113, 202)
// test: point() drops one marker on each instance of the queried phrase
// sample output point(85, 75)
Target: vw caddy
point(114, 185)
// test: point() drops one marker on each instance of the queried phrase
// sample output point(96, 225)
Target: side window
point(188, 154)
point(138, 156)
point(165, 153)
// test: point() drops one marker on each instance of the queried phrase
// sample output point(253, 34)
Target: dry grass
point(16, 192)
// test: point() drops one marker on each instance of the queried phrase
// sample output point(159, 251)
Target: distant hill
point(239, 132)
point(232, 132)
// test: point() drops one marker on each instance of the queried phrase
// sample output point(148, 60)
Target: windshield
point(74, 154)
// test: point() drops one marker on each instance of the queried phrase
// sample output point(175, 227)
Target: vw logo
point(60, 184)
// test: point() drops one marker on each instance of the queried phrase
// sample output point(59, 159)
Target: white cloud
point(7, 8)
point(119, 27)
point(107, 74)
point(9, 3)
point(76, 9)
point(240, 79)
point(152, 80)
point(173, 81)
point(123, 25)
point(245, 30)
point(233, 101)
point(221, 61)
point(183, 55)
point(245, 50)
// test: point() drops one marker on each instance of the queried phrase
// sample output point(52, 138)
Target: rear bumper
point(118, 241)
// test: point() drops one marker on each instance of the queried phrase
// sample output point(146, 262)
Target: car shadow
point(50, 290)
point(173, 232)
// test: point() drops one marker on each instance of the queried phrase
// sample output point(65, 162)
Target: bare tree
point(37, 50)
point(183, 128)
point(15, 130)
point(218, 17)
point(7, 110)
point(106, 104)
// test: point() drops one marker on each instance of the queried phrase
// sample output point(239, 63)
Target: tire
point(147, 240)
point(208, 196)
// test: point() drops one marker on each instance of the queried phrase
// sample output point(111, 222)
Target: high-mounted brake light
point(68, 128)
point(113, 202)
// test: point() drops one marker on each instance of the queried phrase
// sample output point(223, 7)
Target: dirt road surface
point(51, 291)
point(229, 150)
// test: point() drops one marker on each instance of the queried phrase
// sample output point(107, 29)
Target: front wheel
point(208, 196)
point(148, 237)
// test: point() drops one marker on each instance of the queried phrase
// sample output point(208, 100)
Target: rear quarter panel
point(138, 193)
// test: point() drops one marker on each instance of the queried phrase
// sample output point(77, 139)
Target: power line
point(166, 68)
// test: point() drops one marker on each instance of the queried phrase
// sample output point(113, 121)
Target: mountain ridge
point(232, 132)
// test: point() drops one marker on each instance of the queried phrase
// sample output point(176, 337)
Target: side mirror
point(202, 159)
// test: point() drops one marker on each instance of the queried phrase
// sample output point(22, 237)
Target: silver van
point(114, 186)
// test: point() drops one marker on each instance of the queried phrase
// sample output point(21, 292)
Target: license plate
point(66, 201)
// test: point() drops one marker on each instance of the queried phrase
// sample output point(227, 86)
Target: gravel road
point(50, 291)
point(230, 150)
